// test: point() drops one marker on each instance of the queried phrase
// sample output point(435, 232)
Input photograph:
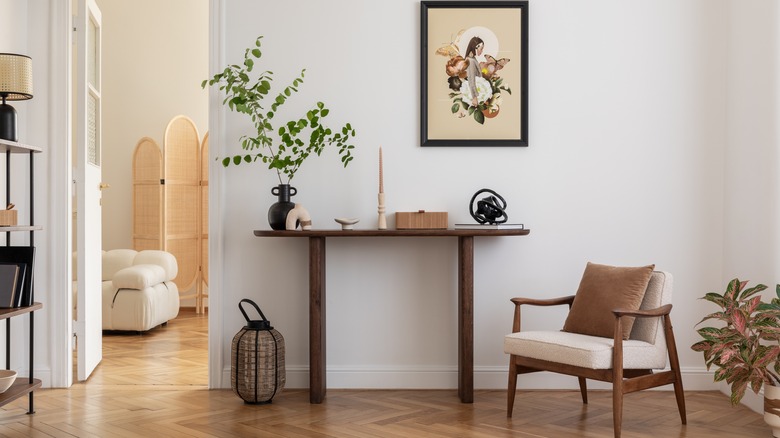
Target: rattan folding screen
point(170, 202)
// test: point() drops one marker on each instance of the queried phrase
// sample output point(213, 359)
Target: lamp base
point(8, 122)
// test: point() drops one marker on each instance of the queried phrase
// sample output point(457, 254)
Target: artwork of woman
point(474, 49)
point(473, 74)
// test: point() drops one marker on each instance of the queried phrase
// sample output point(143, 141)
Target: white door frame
point(60, 191)
point(216, 182)
point(60, 183)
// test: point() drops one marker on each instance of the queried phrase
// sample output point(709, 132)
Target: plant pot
point(772, 408)
point(490, 114)
point(277, 214)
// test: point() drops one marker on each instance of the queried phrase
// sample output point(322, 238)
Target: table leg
point(317, 385)
point(466, 319)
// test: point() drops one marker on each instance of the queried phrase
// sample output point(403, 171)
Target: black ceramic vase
point(277, 214)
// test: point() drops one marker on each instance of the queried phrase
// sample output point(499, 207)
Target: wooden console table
point(317, 386)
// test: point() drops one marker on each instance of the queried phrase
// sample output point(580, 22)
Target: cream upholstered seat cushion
point(645, 348)
point(583, 350)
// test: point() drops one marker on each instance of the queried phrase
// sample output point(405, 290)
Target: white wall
point(33, 118)
point(752, 160)
point(155, 55)
point(625, 166)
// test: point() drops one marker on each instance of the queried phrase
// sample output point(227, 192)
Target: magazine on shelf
point(489, 227)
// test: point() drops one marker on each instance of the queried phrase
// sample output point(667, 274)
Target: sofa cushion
point(116, 259)
point(139, 277)
point(602, 289)
point(161, 258)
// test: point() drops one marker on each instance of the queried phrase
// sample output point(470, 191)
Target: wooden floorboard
point(154, 385)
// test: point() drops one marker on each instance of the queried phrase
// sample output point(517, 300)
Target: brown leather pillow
point(602, 289)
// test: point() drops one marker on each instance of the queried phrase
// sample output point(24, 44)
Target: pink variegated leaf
point(737, 392)
point(752, 291)
point(753, 304)
point(766, 356)
point(702, 346)
point(720, 316)
point(739, 321)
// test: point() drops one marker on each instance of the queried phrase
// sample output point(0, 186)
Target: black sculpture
point(488, 209)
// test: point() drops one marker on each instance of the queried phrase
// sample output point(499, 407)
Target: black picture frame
point(435, 128)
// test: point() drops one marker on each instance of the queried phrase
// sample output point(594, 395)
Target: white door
point(88, 186)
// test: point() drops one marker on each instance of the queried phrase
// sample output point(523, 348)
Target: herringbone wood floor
point(166, 397)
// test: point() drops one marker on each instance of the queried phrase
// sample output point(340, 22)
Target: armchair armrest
point(648, 313)
point(536, 302)
point(139, 277)
point(548, 302)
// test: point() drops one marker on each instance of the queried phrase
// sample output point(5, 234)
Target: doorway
point(155, 54)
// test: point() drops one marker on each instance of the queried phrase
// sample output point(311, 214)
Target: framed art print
point(474, 73)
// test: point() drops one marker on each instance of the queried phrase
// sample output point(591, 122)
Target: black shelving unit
point(22, 385)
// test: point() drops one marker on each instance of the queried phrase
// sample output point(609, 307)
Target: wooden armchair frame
point(623, 381)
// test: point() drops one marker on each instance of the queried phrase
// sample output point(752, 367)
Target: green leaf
point(256, 53)
point(237, 160)
point(226, 161)
point(479, 117)
point(455, 108)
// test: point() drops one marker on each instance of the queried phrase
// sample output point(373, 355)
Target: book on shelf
point(21, 255)
point(20, 283)
point(489, 227)
point(9, 277)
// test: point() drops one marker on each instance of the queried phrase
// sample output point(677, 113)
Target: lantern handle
point(246, 300)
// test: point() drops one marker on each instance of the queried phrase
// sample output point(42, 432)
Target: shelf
point(20, 387)
point(21, 228)
point(16, 311)
point(391, 233)
point(16, 147)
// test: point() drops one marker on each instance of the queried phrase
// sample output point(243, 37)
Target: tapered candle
point(381, 179)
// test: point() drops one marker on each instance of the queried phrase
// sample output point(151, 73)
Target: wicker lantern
point(257, 371)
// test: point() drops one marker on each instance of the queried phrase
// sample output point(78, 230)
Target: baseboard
point(446, 377)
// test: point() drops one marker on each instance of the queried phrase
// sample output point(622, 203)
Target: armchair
point(626, 363)
point(138, 289)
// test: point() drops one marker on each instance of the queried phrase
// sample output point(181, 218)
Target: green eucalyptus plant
point(746, 351)
point(298, 139)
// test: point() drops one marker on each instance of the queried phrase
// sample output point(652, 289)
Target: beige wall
point(155, 55)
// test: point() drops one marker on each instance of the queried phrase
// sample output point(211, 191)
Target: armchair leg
point(583, 390)
point(674, 364)
point(512, 386)
point(617, 404)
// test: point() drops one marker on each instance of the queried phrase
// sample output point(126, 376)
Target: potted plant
point(297, 139)
point(746, 350)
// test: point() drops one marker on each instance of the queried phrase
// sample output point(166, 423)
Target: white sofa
point(138, 291)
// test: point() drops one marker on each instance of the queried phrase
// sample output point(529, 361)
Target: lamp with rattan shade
point(15, 84)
